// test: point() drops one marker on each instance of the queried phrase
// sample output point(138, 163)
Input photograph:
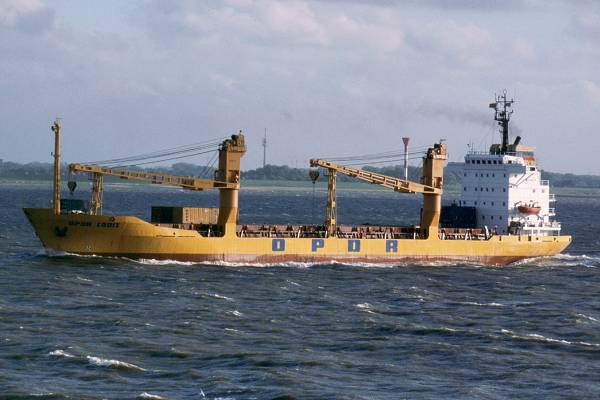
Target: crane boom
point(431, 188)
point(158, 178)
point(227, 180)
point(390, 182)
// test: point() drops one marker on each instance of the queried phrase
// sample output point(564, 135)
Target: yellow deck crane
point(227, 180)
point(431, 187)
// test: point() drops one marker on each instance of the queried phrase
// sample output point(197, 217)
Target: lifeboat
point(529, 209)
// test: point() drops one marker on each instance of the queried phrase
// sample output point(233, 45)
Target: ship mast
point(56, 201)
point(502, 106)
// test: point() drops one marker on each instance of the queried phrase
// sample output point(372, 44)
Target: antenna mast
point(264, 144)
point(502, 106)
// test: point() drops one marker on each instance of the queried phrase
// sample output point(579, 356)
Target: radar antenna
point(502, 106)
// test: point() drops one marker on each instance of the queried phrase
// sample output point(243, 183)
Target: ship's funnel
point(517, 140)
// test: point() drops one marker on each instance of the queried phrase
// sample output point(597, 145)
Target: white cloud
point(284, 23)
point(28, 16)
point(591, 90)
point(523, 49)
point(11, 10)
point(466, 42)
point(296, 18)
point(318, 74)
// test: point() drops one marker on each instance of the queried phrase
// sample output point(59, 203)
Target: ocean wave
point(103, 362)
point(366, 307)
point(219, 296)
point(235, 313)
point(61, 353)
point(473, 303)
point(561, 260)
point(589, 318)
point(146, 395)
point(152, 261)
point(535, 337)
point(289, 264)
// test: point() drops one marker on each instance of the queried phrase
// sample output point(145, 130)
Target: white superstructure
point(505, 185)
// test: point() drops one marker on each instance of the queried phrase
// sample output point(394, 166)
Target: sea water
point(109, 328)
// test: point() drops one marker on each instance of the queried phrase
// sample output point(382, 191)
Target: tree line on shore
point(44, 171)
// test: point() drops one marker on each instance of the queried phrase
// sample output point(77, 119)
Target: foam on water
point(61, 353)
point(540, 338)
point(221, 297)
point(235, 313)
point(589, 318)
point(103, 362)
point(473, 303)
point(146, 395)
point(365, 307)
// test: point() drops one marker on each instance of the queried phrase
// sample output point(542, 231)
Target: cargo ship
point(504, 215)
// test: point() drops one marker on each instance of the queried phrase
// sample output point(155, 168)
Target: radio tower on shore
point(264, 144)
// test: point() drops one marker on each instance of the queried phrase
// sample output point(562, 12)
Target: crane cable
point(381, 158)
point(158, 156)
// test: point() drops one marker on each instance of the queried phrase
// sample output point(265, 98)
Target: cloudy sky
point(329, 77)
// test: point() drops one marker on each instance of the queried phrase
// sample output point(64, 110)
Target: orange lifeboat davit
point(530, 209)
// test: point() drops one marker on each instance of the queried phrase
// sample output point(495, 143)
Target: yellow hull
point(126, 236)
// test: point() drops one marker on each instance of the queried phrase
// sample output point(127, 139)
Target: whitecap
point(536, 337)
point(152, 261)
point(218, 296)
point(235, 313)
point(61, 353)
point(542, 338)
point(103, 362)
point(146, 395)
point(366, 307)
point(587, 317)
point(473, 303)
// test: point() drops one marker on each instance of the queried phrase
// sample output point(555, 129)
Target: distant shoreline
point(286, 185)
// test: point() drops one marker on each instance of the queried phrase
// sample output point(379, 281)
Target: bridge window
point(465, 189)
